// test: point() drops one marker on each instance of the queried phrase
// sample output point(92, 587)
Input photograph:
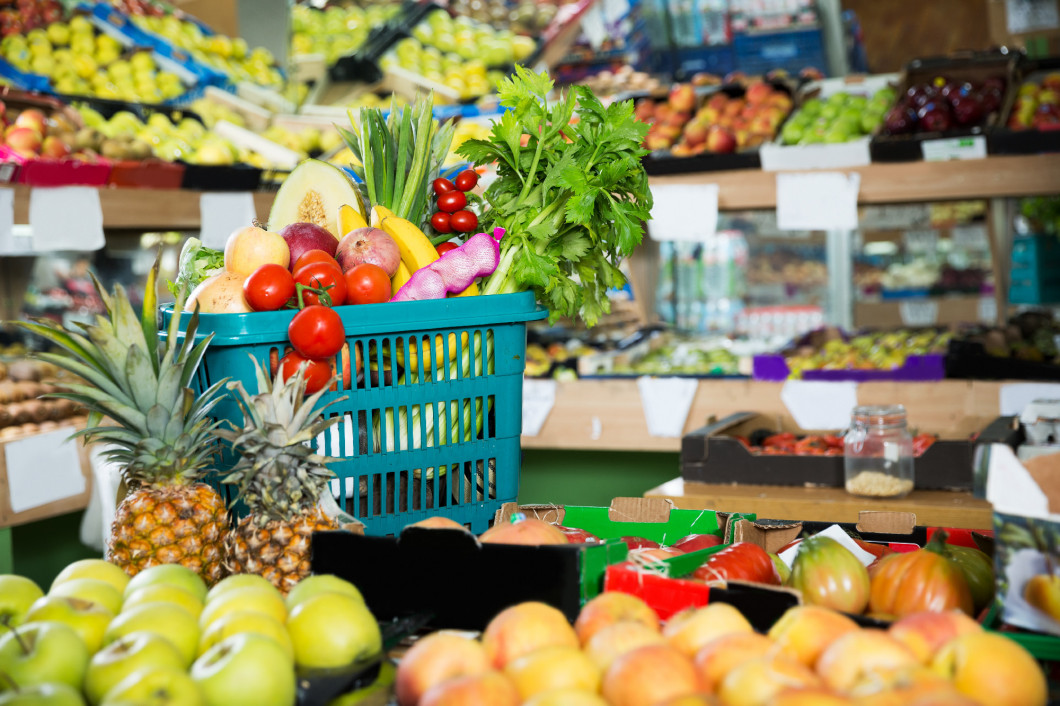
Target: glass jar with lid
point(878, 452)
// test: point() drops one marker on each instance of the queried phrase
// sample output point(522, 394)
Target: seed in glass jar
point(878, 485)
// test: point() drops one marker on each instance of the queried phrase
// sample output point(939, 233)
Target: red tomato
point(463, 221)
point(466, 180)
point(445, 247)
point(440, 222)
point(443, 186)
point(321, 275)
point(452, 201)
point(311, 256)
point(367, 284)
point(316, 332)
point(268, 288)
point(317, 372)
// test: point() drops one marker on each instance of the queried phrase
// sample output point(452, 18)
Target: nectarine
point(759, 681)
point(810, 697)
point(926, 633)
point(523, 628)
point(613, 607)
point(803, 632)
point(530, 531)
point(486, 689)
point(439, 523)
point(993, 669)
point(552, 668)
point(648, 676)
point(693, 628)
point(613, 641)
point(434, 659)
point(719, 657)
point(862, 655)
point(565, 697)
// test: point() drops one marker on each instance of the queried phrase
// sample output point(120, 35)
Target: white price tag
point(684, 212)
point(42, 469)
point(1025, 16)
point(926, 240)
point(7, 223)
point(950, 148)
point(988, 310)
point(539, 396)
point(971, 237)
point(919, 312)
point(666, 402)
point(66, 218)
point(222, 214)
point(1014, 398)
point(819, 406)
point(817, 201)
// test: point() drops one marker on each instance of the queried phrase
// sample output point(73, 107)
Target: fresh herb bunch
point(572, 201)
point(399, 156)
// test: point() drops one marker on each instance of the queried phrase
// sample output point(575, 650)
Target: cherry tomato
point(268, 288)
point(367, 284)
point(440, 222)
point(452, 201)
point(321, 275)
point(311, 256)
point(463, 221)
point(466, 180)
point(317, 372)
point(316, 332)
point(443, 186)
point(445, 247)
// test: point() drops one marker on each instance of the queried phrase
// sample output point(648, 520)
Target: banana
point(400, 277)
point(425, 350)
point(379, 213)
point(416, 250)
point(350, 219)
point(471, 291)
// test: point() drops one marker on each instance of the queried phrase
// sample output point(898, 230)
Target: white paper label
point(684, 212)
point(1022, 16)
point(818, 406)
point(222, 214)
point(921, 240)
point(1015, 397)
point(835, 532)
point(817, 201)
point(66, 218)
point(7, 223)
point(666, 402)
point(539, 396)
point(924, 312)
point(988, 309)
point(971, 237)
point(42, 469)
point(954, 148)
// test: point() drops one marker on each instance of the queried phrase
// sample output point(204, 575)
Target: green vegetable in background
point(571, 209)
point(197, 262)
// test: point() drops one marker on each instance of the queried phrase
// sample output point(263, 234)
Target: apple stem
point(18, 638)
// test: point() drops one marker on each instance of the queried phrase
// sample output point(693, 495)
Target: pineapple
point(157, 431)
point(279, 477)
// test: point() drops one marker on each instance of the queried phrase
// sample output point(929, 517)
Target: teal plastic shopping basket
point(422, 434)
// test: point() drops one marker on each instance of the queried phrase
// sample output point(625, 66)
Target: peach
point(613, 641)
point(758, 92)
point(54, 147)
point(23, 139)
point(926, 633)
point(523, 628)
point(719, 657)
point(720, 140)
point(683, 98)
point(810, 697)
point(34, 120)
point(610, 608)
point(691, 700)
point(803, 632)
point(862, 655)
point(553, 668)
point(529, 531)
point(434, 659)
point(691, 629)
point(438, 523)
point(565, 697)
point(993, 669)
point(486, 689)
point(911, 681)
point(648, 676)
point(932, 694)
point(760, 680)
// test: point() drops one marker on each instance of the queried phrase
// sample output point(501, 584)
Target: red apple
point(33, 119)
point(683, 98)
point(695, 542)
point(54, 147)
point(720, 140)
point(758, 92)
point(23, 139)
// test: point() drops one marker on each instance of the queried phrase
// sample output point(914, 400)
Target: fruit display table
point(932, 507)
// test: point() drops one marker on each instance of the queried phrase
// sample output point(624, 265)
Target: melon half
point(313, 193)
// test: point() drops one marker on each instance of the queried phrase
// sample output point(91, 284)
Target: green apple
point(164, 593)
point(246, 621)
point(124, 656)
point(43, 695)
point(165, 620)
point(95, 591)
point(172, 574)
point(39, 653)
point(256, 599)
point(156, 686)
point(89, 620)
point(317, 584)
point(235, 581)
point(245, 670)
point(93, 568)
point(17, 594)
point(332, 630)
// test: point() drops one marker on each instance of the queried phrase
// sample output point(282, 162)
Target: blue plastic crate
point(791, 50)
point(717, 60)
point(1035, 273)
point(385, 473)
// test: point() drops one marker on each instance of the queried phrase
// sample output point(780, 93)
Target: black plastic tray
point(968, 360)
point(1004, 140)
point(237, 177)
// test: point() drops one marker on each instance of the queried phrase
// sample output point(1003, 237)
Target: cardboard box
point(43, 475)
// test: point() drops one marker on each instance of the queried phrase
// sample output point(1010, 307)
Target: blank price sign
point(817, 201)
point(684, 212)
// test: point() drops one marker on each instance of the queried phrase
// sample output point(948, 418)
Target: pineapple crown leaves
point(161, 430)
point(279, 475)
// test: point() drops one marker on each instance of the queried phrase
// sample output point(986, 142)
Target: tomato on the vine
point(268, 288)
point(316, 332)
point(445, 247)
point(321, 275)
point(441, 222)
point(311, 256)
point(466, 180)
point(367, 284)
point(442, 186)
point(463, 221)
point(317, 372)
point(452, 201)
